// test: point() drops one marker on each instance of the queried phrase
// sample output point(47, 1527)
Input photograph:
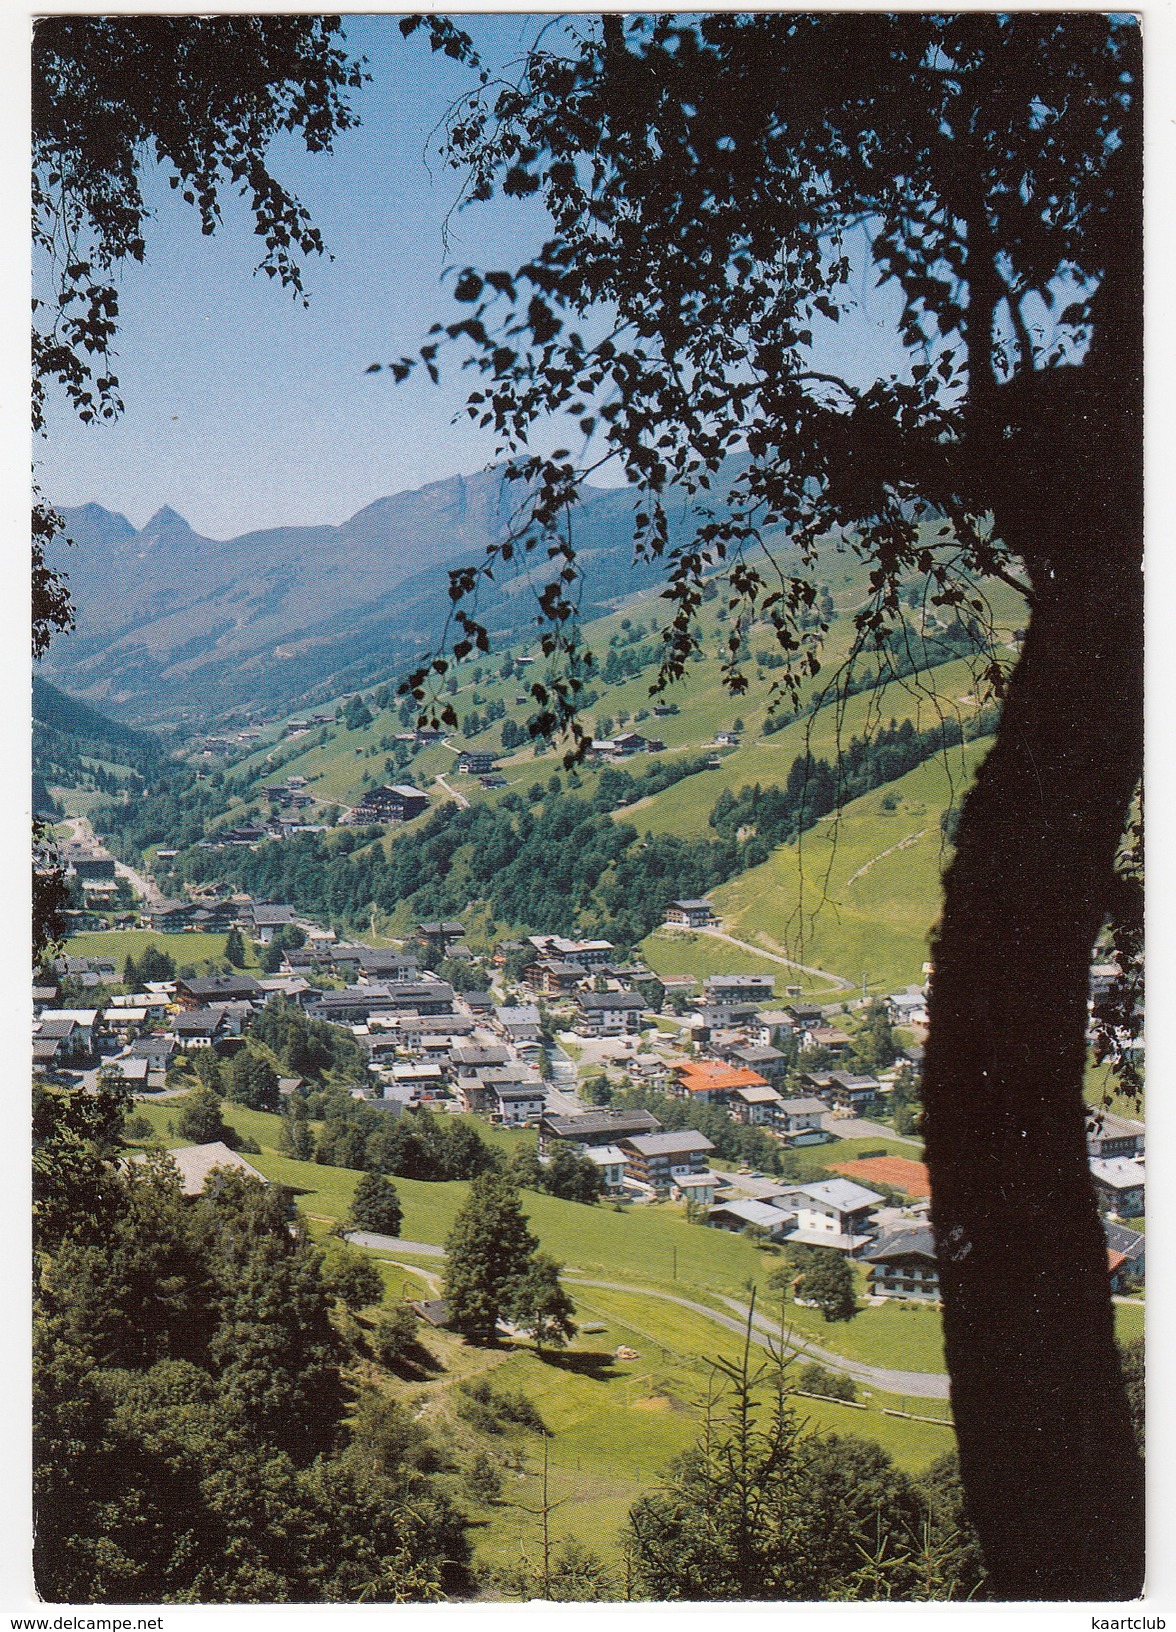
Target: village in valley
point(587, 1014)
point(557, 1027)
point(737, 1134)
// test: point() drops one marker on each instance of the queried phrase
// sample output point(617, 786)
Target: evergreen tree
point(274, 1346)
point(874, 1047)
point(235, 948)
point(488, 1251)
point(540, 1305)
point(199, 1117)
point(571, 1176)
point(524, 1168)
point(209, 1070)
point(351, 1276)
point(376, 1206)
point(253, 1081)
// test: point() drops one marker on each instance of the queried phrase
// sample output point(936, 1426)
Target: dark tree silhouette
point(711, 181)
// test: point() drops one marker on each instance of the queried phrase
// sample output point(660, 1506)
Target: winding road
point(452, 792)
point(923, 1385)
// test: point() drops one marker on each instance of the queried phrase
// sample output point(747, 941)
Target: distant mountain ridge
point(172, 623)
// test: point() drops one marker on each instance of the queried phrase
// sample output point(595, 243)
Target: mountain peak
point(165, 516)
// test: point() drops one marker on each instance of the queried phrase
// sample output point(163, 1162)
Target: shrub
point(483, 1480)
point(395, 1335)
point(491, 1411)
point(833, 1385)
point(351, 1276)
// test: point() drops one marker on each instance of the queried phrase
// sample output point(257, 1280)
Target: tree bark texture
point(1053, 1480)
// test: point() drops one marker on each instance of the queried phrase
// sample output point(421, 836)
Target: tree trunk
point(1054, 1484)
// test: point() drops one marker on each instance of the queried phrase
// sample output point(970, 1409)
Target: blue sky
point(245, 410)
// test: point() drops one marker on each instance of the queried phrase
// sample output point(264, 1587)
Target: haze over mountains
point(170, 623)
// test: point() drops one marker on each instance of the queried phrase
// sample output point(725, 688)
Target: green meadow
point(615, 1423)
point(195, 948)
point(858, 894)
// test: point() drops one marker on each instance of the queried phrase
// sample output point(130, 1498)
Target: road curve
point(392, 1243)
point(923, 1385)
point(452, 792)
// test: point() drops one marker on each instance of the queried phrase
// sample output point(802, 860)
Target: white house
point(519, 1103)
point(699, 1188)
point(610, 1161)
point(834, 1213)
point(609, 1014)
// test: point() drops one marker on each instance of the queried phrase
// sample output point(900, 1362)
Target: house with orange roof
point(710, 1082)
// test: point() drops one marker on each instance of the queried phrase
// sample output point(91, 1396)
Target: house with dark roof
point(263, 919)
point(554, 976)
point(692, 913)
point(608, 1014)
point(399, 802)
point(769, 1062)
point(734, 1014)
point(658, 1159)
point(386, 964)
point(1108, 1136)
point(198, 991)
point(50, 1052)
point(441, 929)
point(903, 1263)
point(1126, 1256)
point(168, 917)
point(476, 761)
point(200, 1028)
point(595, 1127)
point(841, 1090)
point(157, 1050)
point(518, 1102)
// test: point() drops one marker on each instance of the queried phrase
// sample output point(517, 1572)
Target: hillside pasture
point(859, 893)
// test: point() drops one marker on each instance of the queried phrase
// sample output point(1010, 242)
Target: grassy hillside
point(336, 767)
point(614, 1423)
point(859, 894)
point(684, 808)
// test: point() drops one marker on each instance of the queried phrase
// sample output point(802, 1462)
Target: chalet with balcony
point(903, 1264)
point(658, 1159)
point(609, 1014)
point(690, 914)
